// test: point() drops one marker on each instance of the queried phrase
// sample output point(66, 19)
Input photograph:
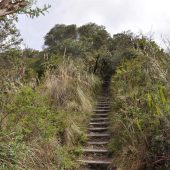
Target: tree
point(8, 7)
point(30, 53)
point(9, 35)
point(59, 33)
point(122, 41)
point(64, 39)
point(94, 34)
point(76, 41)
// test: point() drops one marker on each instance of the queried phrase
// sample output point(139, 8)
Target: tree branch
point(8, 7)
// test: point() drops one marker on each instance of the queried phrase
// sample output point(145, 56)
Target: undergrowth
point(141, 113)
point(43, 127)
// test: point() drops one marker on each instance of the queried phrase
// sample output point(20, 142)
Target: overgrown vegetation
point(46, 100)
point(46, 97)
point(41, 126)
point(141, 110)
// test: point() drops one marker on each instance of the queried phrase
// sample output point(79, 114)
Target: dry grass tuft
point(71, 87)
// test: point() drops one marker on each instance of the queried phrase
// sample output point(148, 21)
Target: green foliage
point(34, 12)
point(59, 33)
point(9, 35)
point(39, 123)
point(28, 108)
point(46, 98)
point(73, 41)
point(30, 118)
point(121, 41)
point(141, 112)
point(66, 161)
point(95, 35)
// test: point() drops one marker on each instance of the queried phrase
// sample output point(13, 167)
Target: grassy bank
point(42, 127)
point(141, 112)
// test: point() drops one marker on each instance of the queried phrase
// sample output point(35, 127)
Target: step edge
point(96, 151)
point(95, 162)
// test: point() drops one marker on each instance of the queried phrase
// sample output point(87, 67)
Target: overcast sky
point(146, 16)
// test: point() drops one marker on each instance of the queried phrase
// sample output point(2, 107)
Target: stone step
point(101, 111)
point(103, 104)
point(96, 162)
point(98, 129)
point(99, 119)
point(103, 107)
point(98, 135)
point(99, 123)
point(98, 143)
point(100, 115)
point(103, 100)
point(91, 150)
point(96, 154)
point(104, 96)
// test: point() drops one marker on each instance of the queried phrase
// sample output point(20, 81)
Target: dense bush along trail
point(95, 154)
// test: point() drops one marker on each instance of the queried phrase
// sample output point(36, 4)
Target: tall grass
point(44, 126)
point(141, 113)
point(71, 87)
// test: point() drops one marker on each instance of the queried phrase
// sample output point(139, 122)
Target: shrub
point(141, 113)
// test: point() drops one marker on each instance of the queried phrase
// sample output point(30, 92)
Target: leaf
point(158, 110)
point(162, 95)
point(150, 101)
point(138, 123)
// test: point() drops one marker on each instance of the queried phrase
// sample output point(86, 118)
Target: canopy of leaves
point(9, 35)
point(60, 33)
point(96, 35)
point(88, 37)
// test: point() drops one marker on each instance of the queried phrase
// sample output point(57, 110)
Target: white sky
point(144, 16)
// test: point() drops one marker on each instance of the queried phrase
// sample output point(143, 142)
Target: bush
point(140, 121)
point(43, 127)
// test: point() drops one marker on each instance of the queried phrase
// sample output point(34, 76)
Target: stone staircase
point(96, 156)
